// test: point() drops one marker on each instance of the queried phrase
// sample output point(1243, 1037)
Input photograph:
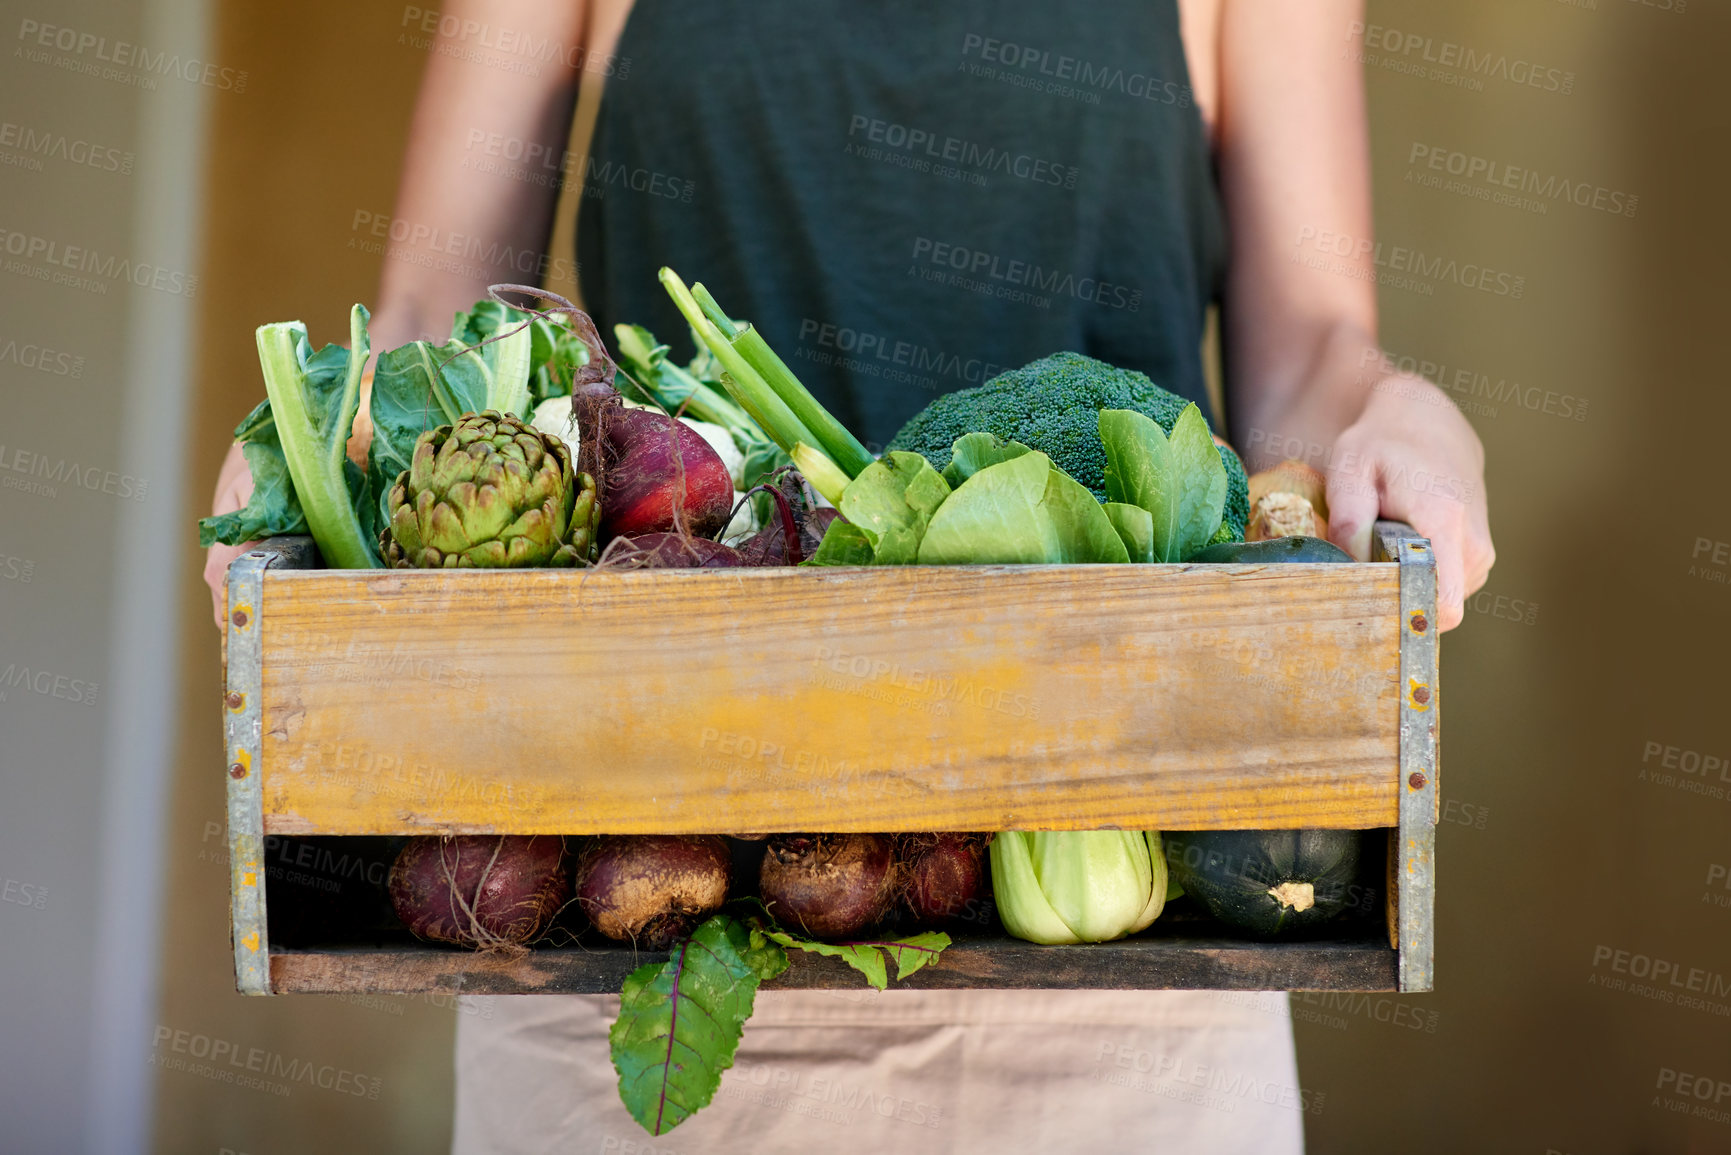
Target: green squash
point(1278, 549)
point(1268, 882)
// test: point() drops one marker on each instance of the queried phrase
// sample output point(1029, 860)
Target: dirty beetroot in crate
point(971, 713)
point(364, 942)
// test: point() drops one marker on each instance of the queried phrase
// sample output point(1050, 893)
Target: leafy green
point(297, 445)
point(680, 1021)
point(869, 958)
point(295, 442)
point(273, 509)
point(1085, 533)
point(842, 544)
point(1179, 480)
point(1135, 527)
point(975, 451)
point(891, 502)
point(420, 386)
point(555, 350)
point(1021, 510)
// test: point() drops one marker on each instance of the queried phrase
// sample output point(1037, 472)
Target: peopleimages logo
point(924, 148)
point(1454, 63)
point(46, 259)
point(144, 63)
point(54, 471)
point(885, 356)
point(255, 1067)
point(1472, 391)
point(999, 273)
point(1089, 79)
point(29, 355)
point(28, 147)
point(518, 50)
point(1399, 265)
point(1494, 180)
point(434, 247)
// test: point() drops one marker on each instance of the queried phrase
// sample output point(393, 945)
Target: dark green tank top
point(908, 198)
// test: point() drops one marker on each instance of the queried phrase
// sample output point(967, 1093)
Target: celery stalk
point(314, 431)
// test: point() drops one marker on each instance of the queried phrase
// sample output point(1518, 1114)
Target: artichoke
point(490, 492)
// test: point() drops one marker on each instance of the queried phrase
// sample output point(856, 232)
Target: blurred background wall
point(1585, 839)
point(102, 135)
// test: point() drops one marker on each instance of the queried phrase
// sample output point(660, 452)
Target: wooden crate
point(391, 702)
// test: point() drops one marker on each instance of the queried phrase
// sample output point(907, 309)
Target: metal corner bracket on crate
point(1412, 852)
point(243, 732)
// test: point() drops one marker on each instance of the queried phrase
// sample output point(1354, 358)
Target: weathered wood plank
point(1173, 963)
point(985, 698)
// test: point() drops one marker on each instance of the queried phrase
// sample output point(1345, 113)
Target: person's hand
point(233, 491)
point(1412, 457)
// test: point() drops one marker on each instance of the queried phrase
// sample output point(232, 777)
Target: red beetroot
point(652, 889)
point(654, 473)
point(829, 886)
point(487, 891)
point(652, 476)
point(945, 875)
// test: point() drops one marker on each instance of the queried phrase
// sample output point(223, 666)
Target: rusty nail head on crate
point(1416, 780)
point(234, 700)
point(1420, 623)
point(238, 617)
point(237, 771)
point(1421, 694)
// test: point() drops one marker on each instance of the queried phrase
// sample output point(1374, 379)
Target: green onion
point(714, 312)
point(770, 391)
point(824, 475)
point(740, 379)
point(843, 447)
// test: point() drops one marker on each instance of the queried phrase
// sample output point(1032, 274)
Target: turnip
point(944, 875)
point(494, 892)
point(652, 889)
point(829, 886)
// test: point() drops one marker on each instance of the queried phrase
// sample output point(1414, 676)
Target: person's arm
point(457, 228)
point(1305, 372)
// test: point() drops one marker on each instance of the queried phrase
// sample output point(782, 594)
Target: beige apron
point(914, 1072)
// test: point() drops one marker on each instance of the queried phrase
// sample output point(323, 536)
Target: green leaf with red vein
point(680, 1021)
point(870, 958)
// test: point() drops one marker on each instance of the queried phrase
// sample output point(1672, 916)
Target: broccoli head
point(1053, 405)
